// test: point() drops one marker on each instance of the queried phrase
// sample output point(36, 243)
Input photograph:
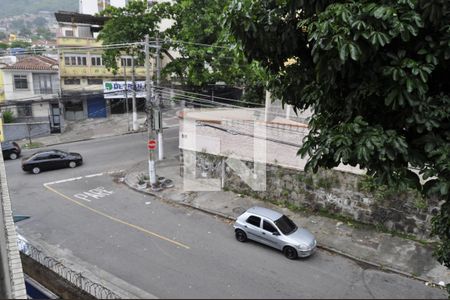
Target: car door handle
point(245, 226)
point(263, 232)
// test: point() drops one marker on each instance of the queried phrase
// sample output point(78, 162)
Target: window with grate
point(24, 110)
point(96, 61)
point(75, 60)
point(92, 81)
point(72, 81)
point(125, 62)
point(21, 82)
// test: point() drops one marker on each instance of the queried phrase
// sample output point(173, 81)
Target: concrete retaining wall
point(329, 191)
point(19, 131)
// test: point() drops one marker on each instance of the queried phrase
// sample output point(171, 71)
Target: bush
point(8, 116)
point(142, 178)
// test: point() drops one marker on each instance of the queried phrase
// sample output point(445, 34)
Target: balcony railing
point(81, 42)
point(46, 91)
point(97, 71)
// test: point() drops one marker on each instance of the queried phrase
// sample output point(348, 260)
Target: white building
point(92, 7)
point(29, 87)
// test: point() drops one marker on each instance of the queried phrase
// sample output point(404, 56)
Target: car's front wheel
point(36, 170)
point(72, 164)
point(290, 252)
point(240, 235)
point(13, 156)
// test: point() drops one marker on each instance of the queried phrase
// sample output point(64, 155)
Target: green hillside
point(18, 7)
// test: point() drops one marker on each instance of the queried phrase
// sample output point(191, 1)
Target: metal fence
point(95, 289)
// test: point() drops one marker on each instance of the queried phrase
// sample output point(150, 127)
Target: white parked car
point(276, 230)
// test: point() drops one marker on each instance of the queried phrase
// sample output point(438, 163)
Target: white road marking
point(93, 175)
point(82, 197)
point(98, 192)
point(81, 177)
point(64, 180)
point(118, 171)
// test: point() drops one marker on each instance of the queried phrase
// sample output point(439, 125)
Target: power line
point(215, 105)
point(215, 97)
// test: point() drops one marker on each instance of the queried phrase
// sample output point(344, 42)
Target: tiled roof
point(34, 62)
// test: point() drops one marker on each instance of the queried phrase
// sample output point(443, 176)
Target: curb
point(321, 246)
point(208, 211)
point(87, 139)
point(94, 138)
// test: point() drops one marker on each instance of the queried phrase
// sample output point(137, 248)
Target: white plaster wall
point(40, 110)
point(10, 92)
point(89, 7)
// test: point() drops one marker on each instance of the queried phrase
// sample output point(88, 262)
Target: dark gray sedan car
point(275, 230)
point(50, 160)
point(10, 150)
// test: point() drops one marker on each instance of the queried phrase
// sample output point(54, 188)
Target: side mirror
point(276, 233)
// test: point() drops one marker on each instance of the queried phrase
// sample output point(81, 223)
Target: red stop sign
point(151, 145)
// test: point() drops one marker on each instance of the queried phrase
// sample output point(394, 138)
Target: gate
point(96, 107)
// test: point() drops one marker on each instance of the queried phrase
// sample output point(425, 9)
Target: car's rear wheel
point(72, 164)
point(13, 155)
point(290, 252)
point(241, 236)
point(36, 170)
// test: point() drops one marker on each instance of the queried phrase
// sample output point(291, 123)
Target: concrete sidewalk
point(88, 129)
point(364, 244)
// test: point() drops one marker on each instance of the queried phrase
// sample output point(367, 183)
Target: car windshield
point(59, 152)
point(286, 225)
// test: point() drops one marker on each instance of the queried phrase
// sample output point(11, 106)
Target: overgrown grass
point(323, 212)
point(33, 145)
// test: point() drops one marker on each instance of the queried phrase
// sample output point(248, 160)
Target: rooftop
point(33, 62)
point(265, 212)
point(74, 17)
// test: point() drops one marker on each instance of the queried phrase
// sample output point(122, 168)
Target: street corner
point(140, 181)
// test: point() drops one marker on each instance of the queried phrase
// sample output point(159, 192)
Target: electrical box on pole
point(157, 117)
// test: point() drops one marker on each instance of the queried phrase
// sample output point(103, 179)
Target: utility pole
point(150, 119)
point(60, 105)
point(126, 94)
point(133, 78)
point(159, 102)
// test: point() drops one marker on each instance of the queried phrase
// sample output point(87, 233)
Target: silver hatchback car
point(275, 230)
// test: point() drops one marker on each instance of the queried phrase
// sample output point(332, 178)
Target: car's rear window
point(286, 225)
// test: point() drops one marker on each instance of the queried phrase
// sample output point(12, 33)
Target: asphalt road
point(172, 251)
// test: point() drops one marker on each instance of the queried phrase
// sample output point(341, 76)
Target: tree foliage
point(375, 74)
point(20, 44)
point(129, 24)
point(207, 52)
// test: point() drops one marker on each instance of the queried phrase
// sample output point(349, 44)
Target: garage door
point(96, 107)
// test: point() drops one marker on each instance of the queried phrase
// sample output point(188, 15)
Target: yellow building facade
point(82, 71)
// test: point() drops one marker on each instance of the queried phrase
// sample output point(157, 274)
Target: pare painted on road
point(97, 193)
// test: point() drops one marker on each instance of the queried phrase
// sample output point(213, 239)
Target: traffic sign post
point(151, 145)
